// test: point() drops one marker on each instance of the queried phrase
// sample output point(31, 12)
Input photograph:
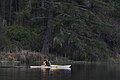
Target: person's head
point(44, 60)
point(47, 60)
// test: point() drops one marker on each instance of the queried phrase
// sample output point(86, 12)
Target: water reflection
point(56, 74)
point(78, 72)
point(96, 72)
point(33, 74)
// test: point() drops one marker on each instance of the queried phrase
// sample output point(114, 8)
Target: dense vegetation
point(77, 29)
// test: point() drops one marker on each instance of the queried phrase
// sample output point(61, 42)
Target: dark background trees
point(77, 29)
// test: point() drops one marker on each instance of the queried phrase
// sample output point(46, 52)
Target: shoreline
point(56, 62)
point(36, 58)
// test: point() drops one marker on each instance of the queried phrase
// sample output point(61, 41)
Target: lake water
point(77, 72)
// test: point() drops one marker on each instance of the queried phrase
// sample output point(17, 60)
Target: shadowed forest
point(79, 30)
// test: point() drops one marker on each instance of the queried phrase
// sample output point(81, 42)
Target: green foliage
point(77, 32)
point(22, 37)
point(81, 30)
point(23, 16)
point(3, 39)
point(18, 33)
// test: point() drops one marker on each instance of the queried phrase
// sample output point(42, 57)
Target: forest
point(80, 30)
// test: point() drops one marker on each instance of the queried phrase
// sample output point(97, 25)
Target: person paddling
point(46, 62)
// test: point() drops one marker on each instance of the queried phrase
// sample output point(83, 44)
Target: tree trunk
point(3, 9)
point(47, 35)
point(10, 12)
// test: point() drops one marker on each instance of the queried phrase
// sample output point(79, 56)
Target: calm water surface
point(77, 72)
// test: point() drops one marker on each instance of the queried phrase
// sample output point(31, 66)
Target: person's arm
point(50, 63)
point(44, 63)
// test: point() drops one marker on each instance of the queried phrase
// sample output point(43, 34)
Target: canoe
point(52, 66)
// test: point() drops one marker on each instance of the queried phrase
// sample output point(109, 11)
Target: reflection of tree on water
point(46, 74)
point(56, 74)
